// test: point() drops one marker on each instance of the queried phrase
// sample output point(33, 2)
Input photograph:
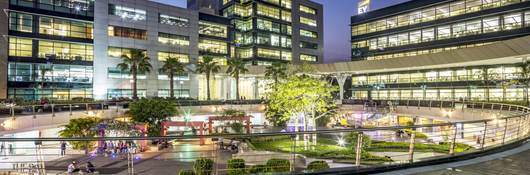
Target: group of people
point(9, 149)
point(120, 147)
point(74, 167)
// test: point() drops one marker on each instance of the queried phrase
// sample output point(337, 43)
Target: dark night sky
point(337, 15)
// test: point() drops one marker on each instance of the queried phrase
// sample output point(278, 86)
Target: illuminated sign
point(363, 6)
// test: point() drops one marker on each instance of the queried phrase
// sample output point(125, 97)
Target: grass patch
point(325, 149)
point(443, 147)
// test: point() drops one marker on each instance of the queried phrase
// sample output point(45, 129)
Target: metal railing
point(380, 148)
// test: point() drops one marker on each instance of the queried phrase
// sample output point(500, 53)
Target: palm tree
point(81, 128)
point(276, 71)
point(236, 67)
point(136, 62)
point(172, 66)
point(207, 66)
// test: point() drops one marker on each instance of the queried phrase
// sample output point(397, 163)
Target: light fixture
point(341, 142)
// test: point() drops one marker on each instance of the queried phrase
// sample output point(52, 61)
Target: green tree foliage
point(186, 172)
point(279, 165)
point(236, 167)
point(81, 128)
point(236, 67)
point(318, 165)
point(233, 113)
point(172, 66)
point(352, 139)
point(136, 62)
point(203, 166)
point(152, 112)
point(299, 94)
point(237, 127)
point(276, 71)
point(207, 66)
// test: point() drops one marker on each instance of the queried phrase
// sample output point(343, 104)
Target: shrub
point(318, 165)
point(236, 166)
point(237, 127)
point(186, 172)
point(351, 138)
point(259, 169)
point(279, 165)
point(203, 166)
point(419, 135)
point(153, 112)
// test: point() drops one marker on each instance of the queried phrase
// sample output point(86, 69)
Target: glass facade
point(126, 32)
point(117, 52)
point(172, 39)
point(307, 10)
point(51, 94)
point(20, 22)
point(307, 21)
point(212, 29)
point(183, 58)
point(305, 57)
point(117, 73)
point(67, 28)
point(125, 93)
point(308, 45)
point(213, 46)
point(65, 51)
point(58, 73)
point(309, 34)
point(75, 7)
point(173, 20)
point(441, 11)
point(182, 93)
point(127, 13)
point(20, 47)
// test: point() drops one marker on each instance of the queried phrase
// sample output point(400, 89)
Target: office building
point(276, 30)
point(464, 42)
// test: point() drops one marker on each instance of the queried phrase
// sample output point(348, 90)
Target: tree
point(136, 62)
point(303, 96)
point(236, 67)
point(352, 139)
point(81, 128)
point(203, 166)
point(207, 66)
point(172, 66)
point(276, 71)
point(152, 112)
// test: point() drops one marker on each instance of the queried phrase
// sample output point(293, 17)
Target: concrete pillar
point(341, 79)
point(3, 49)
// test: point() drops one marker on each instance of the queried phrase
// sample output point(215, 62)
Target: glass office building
point(50, 49)
point(430, 31)
point(269, 31)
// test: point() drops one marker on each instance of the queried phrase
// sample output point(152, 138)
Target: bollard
point(34, 112)
point(70, 108)
point(484, 135)
point(53, 110)
point(453, 140)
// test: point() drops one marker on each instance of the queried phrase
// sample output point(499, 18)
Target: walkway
point(513, 162)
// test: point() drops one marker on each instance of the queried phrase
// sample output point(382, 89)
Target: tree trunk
point(237, 87)
point(135, 93)
point(171, 93)
point(208, 86)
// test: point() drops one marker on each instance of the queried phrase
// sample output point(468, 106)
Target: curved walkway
point(513, 162)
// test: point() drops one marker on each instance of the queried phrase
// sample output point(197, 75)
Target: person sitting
point(90, 167)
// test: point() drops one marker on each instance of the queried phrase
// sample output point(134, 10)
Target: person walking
point(63, 148)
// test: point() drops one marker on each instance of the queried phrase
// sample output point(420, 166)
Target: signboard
point(363, 6)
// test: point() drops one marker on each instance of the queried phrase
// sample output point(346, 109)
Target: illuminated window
point(173, 20)
point(127, 12)
point(307, 10)
point(245, 52)
point(115, 72)
point(527, 18)
point(286, 55)
point(512, 21)
point(183, 58)
point(244, 25)
point(473, 27)
point(268, 11)
point(286, 4)
point(65, 51)
point(76, 7)
point(269, 53)
point(307, 21)
point(238, 10)
point(305, 57)
point(444, 32)
point(212, 29)
point(124, 93)
point(415, 37)
point(172, 39)
point(220, 60)
point(286, 16)
point(212, 46)
point(127, 32)
point(277, 2)
point(20, 47)
point(118, 52)
point(267, 25)
point(20, 22)
point(62, 27)
point(308, 45)
point(308, 33)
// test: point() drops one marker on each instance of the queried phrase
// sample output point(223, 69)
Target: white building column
point(341, 79)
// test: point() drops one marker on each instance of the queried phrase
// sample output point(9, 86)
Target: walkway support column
point(453, 140)
point(341, 79)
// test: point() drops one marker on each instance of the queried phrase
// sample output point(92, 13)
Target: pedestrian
point(72, 168)
point(63, 148)
point(90, 167)
point(11, 149)
point(2, 149)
